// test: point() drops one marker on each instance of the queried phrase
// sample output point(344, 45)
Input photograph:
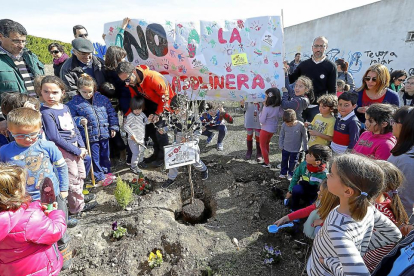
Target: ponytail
point(397, 208)
point(88, 81)
point(358, 206)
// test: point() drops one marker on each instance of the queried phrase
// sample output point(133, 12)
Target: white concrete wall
point(362, 36)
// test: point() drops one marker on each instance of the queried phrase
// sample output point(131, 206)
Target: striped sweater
point(342, 242)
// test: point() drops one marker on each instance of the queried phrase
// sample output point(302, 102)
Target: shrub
point(38, 45)
point(123, 193)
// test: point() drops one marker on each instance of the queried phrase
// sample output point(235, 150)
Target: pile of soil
point(239, 204)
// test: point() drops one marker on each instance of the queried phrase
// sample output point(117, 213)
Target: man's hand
point(288, 195)
point(154, 118)
point(113, 133)
point(161, 131)
point(84, 121)
point(64, 194)
point(84, 152)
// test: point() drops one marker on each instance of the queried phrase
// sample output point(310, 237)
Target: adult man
point(321, 71)
point(294, 63)
point(82, 61)
point(158, 94)
point(18, 66)
point(80, 31)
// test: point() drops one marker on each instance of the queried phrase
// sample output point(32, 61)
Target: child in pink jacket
point(28, 235)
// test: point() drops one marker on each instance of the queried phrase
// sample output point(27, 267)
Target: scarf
point(313, 169)
point(60, 60)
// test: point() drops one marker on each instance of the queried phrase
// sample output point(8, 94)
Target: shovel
point(274, 228)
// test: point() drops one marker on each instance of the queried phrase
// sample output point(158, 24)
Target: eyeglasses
point(400, 80)
point(318, 46)
point(83, 35)
point(54, 52)
point(31, 136)
point(18, 41)
point(409, 83)
point(369, 79)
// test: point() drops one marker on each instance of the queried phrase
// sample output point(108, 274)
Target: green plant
point(38, 45)
point(155, 259)
point(139, 185)
point(123, 193)
point(118, 231)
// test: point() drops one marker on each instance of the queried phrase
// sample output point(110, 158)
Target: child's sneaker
point(66, 252)
point(220, 147)
point(282, 176)
point(279, 166)
point(109, 179)
point(135, 170)
point(289, 177)
point(204, 175)
point(264, 165)
point(210, 138)
point(89, 206)
point(89, 197)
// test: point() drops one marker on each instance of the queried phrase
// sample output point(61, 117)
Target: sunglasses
point(54, 52)
point(401, 80)
point(83, 35)
point(369, 78)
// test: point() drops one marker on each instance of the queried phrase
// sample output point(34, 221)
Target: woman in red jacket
point(28, 235)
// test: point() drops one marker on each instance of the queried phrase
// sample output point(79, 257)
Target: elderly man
point(158, 95)
point(18, 66)
point(321, 71)
point(82, 61)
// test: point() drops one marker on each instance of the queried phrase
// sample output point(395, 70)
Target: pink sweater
point(376, 146)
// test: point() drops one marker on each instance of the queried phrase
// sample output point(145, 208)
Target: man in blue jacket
point(18, 65)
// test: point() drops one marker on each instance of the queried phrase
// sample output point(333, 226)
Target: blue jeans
point(100, 159)
point(222, 130)
point(303, 190)
point(289, 160)
point(87, 161)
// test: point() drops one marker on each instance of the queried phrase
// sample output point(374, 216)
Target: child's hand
point(406, 228)
point(362, 109)
point(317, 222)
point(64, 194)
point(242, 102)
point(284, 89)
point(313, 132)
point(84, 152)
point(282, 220)
point(46, 211)
point(133, 138)
point(113, 133)
point(288, 195)
point(306, 124)
point(84, 121)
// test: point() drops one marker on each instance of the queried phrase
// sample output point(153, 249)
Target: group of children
point(64, 142)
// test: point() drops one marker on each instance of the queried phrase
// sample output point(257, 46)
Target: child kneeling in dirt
point(181, 136)
point(308, 176)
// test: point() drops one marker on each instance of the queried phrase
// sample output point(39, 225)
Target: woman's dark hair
point(321, 153)
point(273, 97)
point(57, 45)
point(343, 64)
point(397, 74)
point(113, 57)
point(382, 113)
point(289, 115)
point(405, 141)
point(108, 90)
point(137, 102)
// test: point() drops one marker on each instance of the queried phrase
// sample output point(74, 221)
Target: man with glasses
point(82, 61)
point(80, 31)
point(321, 71)
point(18, 66)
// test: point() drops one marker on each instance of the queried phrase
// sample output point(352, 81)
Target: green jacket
point(302, 173)
point(10, 78)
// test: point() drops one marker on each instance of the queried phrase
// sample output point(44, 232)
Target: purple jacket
point(269, 118)
point(28, 241)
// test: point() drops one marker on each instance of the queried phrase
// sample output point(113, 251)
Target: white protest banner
point(211, 60)
point(182, 154)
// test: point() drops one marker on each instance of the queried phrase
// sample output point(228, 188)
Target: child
point(389, 203)
point(292, 139)
point(268, 119)
point(347, 125)
point(214, 119)
point(299, 98)
point(316, 212)
point(321, 129)
point(40, 158)
point(347, 232)
point(252, 125)
point(178, 125)
point(402, 154)
point(90, 108)
point(60, 128)
point(28, 235)
point(341, 87)
point(377, 141)
point(308, 176)
point(135, 127)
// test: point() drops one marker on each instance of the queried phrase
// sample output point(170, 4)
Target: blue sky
point(55, 19)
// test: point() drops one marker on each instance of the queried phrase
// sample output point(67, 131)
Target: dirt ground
point(242, 206)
